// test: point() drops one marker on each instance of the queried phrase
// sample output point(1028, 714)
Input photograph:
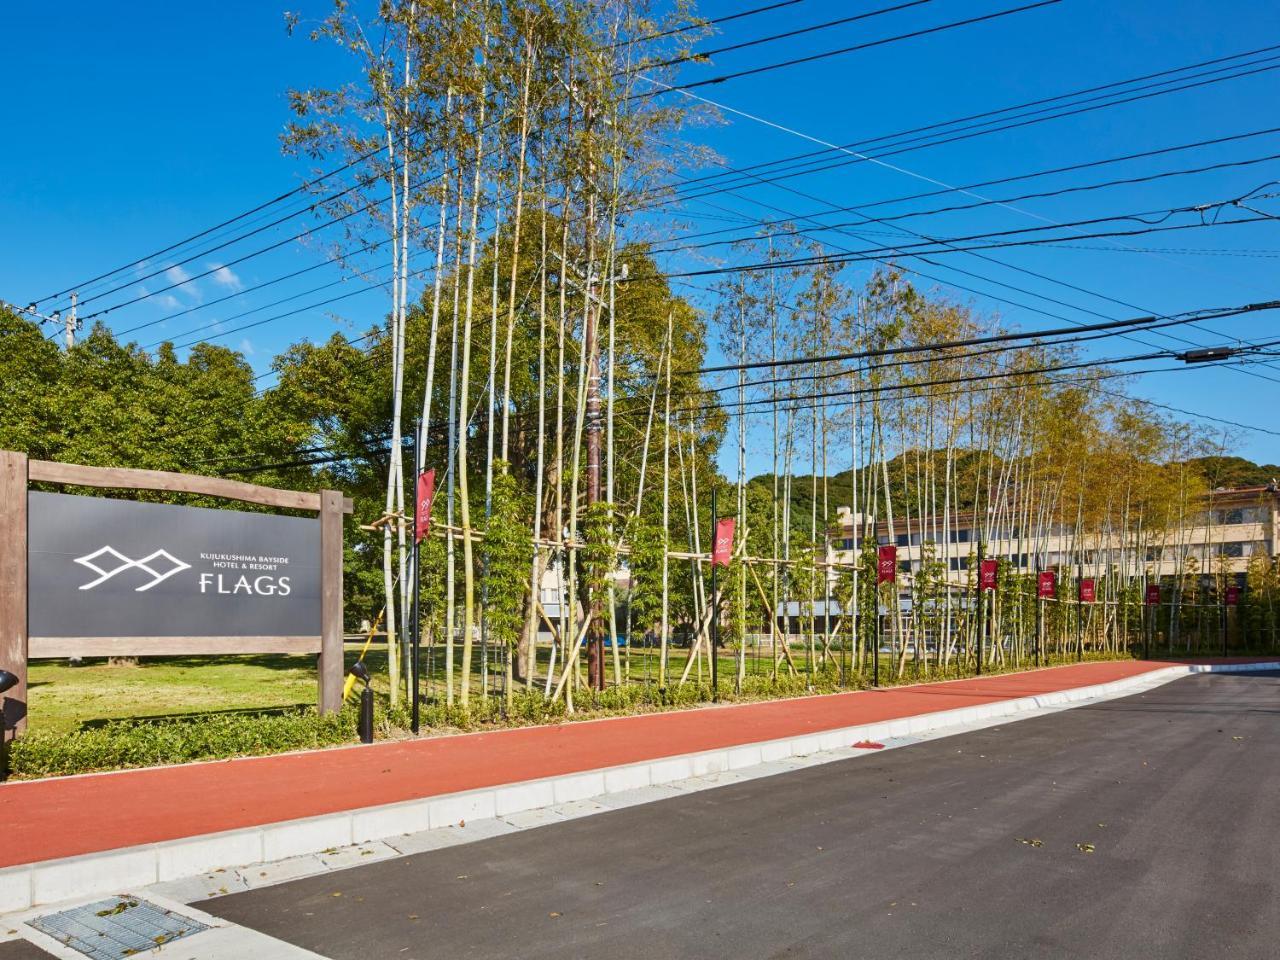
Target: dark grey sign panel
point(119, 568)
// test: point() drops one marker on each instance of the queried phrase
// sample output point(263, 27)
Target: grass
point(65, 698)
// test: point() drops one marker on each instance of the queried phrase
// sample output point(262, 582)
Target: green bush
point(119, 744)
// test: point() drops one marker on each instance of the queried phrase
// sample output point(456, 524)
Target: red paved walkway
point(48, 819)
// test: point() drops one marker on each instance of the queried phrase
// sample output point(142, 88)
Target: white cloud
point(182, 280)
point(177, 275)
point(246, 347)
point(169, 301)
point(226, 277)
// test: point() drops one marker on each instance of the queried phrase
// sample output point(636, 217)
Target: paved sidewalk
point(64, 817)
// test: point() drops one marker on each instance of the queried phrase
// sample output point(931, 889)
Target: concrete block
point(832, 739)
point(739, 757)
point(293, 868)
point(774, 750)
point(691, 784)
point(712, 761)
point(426, 840)
point(95, 873)
point(237, 943)
point(523, 796)
point(483, 829)
point(379, 823)
point(672, 768)
point(527, 819)
point(578, 786)
point(15, 889)
point(578, 808)
point(216, 883)
point(630, 777)
point(294, 838)
point(354, 856)
point(187, 858)
point(631, 798)
point(460, 807)
point(811, 743)
point(842, 753)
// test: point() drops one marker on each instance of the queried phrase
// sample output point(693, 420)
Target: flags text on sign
point(887, 564)
point(1233, 596)
point(987, 574)
point(1086, 591)
point(426, 494)
point(1153, 594)
point(1047, 585)
point(722, 548)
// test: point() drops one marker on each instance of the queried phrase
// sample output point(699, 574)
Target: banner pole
point(416, 653)
point(715, 607)
point(981, 611)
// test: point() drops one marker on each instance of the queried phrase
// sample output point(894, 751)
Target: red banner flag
point(1047, 586)
point(1233, 596)
point(987, 573)
point(1086, 592)
point(1153, 594)
point(887, 564)
point(422, 514)
point(722, 548)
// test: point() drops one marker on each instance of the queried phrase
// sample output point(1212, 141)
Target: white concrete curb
point(51, 881)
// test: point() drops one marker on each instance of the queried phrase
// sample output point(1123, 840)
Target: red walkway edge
point(67, 816)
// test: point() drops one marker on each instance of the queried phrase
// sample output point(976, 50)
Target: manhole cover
point(117, 927)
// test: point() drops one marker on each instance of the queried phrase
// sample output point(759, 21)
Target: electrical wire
point(704, 56)
point(867, 144)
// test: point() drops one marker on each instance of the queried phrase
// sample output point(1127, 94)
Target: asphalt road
point(1140, 828)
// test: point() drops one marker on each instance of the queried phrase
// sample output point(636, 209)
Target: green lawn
point(64, 698)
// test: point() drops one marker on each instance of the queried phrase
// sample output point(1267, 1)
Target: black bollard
point(366, 715)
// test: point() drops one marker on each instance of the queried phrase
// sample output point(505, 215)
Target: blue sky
point(131, 127)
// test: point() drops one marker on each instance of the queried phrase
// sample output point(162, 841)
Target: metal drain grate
point(116, 927)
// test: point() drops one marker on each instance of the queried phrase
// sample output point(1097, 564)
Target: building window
point(1232, 548)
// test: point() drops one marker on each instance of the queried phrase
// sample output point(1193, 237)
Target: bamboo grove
point(509, 166)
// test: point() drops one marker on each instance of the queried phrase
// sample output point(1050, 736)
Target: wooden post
point(331, 626)
point(13, 591)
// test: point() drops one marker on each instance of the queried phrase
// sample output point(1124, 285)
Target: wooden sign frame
point(17, 472)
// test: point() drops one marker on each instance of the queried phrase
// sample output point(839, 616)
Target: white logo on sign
point(124, 563)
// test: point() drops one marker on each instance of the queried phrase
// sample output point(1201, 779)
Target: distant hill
point(1236, 471)
point(1217, 471)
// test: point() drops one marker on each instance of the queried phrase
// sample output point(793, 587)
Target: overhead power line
point(1074, 95)
point(766, 68)
point(302, 187)
point(936, 211)
point(701, 24)
point(747, 170)
point(1013, 178)
point(704, 56)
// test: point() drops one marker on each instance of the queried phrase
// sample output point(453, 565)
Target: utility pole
point(980, 613)
point(595, 626)
point(591, 352)
point(72, 323)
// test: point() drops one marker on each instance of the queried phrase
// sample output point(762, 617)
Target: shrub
point(118, 744)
